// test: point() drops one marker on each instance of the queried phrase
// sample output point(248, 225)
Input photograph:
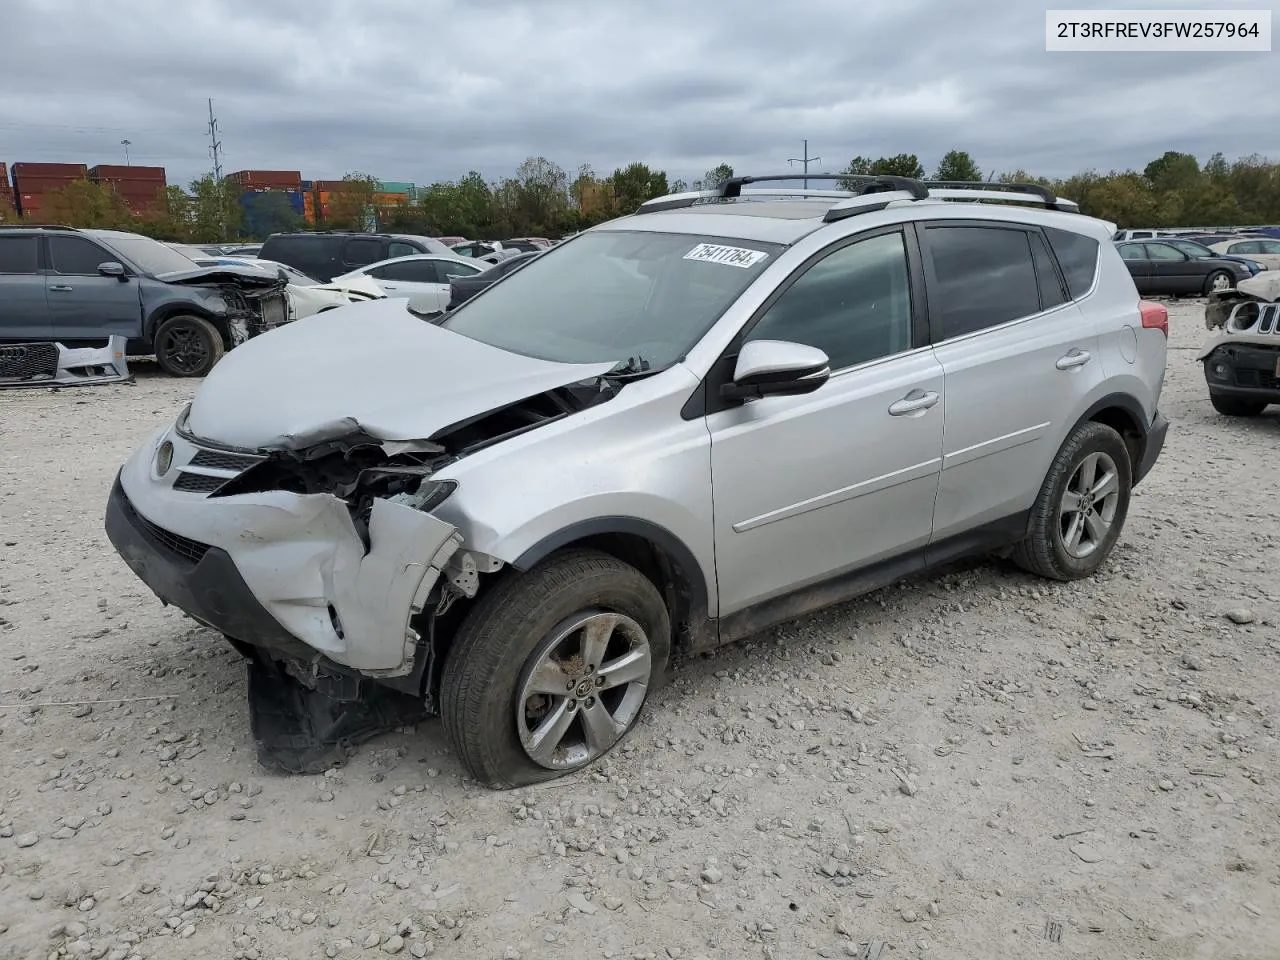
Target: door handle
point(917, 401)
point(60, 288)
point(1076, 358)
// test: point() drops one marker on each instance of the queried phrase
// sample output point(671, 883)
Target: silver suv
point(673, 430)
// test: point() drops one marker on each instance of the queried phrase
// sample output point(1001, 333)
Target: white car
point(306, 295)
point(1262, 249)
point(423, 278)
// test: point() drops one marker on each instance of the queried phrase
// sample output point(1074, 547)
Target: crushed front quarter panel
point(303, 560)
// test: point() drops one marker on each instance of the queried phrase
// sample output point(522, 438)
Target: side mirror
point(776, 368)
point(112, 269)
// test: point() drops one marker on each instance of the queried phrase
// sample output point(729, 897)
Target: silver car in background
point(669, 432)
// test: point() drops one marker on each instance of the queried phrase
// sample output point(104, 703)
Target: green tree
point(84, 203)
point(957, 165)
point(634, 184)
point(859, 166)
point(679, 186)
point(267, 213)
point(215, 209)
point(716, 176)
point(1173, 171)
point(900, 165)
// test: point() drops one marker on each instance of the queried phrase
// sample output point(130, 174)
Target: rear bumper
point(1151, 450)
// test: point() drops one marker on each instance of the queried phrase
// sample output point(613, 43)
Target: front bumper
point(1244, 371)
point(284, 572)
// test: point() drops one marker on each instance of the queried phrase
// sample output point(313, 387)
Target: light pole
point(806, 160)
point(126, 144)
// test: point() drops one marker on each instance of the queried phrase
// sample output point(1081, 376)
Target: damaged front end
point(250, 300)
point(51, 364)
point(1242, 357)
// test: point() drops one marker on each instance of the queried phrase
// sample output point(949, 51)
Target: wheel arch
point(1123, 414)
point(652, 549)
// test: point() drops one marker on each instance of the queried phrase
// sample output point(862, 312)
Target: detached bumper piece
point(1244, 371)
point(50, 364)
point(303, 731)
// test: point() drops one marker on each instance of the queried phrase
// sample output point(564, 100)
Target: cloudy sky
point(424, 90)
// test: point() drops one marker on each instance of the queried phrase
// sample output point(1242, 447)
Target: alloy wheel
point(1088, 506)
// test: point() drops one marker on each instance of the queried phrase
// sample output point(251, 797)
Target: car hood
point(369, 368)
point(223, 273)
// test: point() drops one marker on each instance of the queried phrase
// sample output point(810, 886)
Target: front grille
point(198, 483)
point(23, 361)
point(1257, 378)
point(221, 460)
point(184, 547)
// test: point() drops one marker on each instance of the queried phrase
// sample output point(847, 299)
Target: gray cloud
point(425, 90)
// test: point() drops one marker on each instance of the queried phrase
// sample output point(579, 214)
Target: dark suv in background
point(330, 254)
point(79, 287)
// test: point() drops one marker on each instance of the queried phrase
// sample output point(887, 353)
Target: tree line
point(542, 199)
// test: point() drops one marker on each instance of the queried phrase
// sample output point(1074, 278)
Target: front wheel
point(1218, 281)
point(1081, 508)
point(1236, 407)
point(188, 346)
point(550, 670)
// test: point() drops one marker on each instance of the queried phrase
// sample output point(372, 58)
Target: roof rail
point(37, 226)
point(860, 184)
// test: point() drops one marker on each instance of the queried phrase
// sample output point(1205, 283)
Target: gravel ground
point(973, 765)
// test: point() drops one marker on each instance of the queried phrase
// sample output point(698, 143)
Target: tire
point(488, 708)
point(1048, 550)
point(1235, 406)
point(188, 346)
point(1218, 280)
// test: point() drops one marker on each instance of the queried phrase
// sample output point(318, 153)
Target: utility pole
point(215, 148)
point(126, 144)
point(806, 160)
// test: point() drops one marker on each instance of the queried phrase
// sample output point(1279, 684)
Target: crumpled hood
point(224, 273)
point(369, 366)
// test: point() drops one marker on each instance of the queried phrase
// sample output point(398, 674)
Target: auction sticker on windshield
point(732, 256)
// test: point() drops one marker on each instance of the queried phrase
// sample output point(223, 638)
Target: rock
point(63, 833)
point(419, 949)
point(712, 875)
point(25, 840)
point(82, 711)
point(579, 902)
point(1240, 615)
point(394, 944)
point(909, 916)
point(371, 941)
point(1166, 784)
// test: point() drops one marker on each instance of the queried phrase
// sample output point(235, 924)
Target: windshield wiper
point(631, 368)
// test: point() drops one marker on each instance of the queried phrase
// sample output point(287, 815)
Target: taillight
point(1154, 316)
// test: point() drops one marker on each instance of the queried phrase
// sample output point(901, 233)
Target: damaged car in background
point(1242, 358)
point(80, 287)
point(634, 445)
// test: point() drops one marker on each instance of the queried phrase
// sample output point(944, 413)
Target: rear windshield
point(614, 295)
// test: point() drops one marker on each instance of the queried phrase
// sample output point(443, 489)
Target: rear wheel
point(1218, 281)
point(188, 346)
point(551, 668)
point(1236, 407)
point(1081, 508)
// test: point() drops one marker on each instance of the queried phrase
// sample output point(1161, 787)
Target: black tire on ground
point(1213, 278)
point(494, 644)
point(188, 346)
point(1236, 406)
point(1044, 551)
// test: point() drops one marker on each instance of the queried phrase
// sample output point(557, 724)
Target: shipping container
point(110, 171)
point(307, 184)
point(267, 178)
point(396, 186)
point(4, 175)
point(40, 185)
point(76, 171)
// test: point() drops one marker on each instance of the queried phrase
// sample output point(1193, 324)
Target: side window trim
point(706, 400)
point(931, 279)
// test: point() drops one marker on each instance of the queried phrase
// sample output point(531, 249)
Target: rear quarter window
point(1077, 256)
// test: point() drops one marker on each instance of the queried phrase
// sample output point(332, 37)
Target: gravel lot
point(974, 765)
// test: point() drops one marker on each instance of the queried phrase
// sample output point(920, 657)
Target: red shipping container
point(267, 178)
point(4, 175)
point(28, 184)
point(73, 170)
point(109, 171)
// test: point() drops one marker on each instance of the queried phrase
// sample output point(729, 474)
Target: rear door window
point(19, 254)
point(984, 276)
point(361, 252)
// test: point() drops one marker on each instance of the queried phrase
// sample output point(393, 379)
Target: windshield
point(150, 256)
point(1191, 248)
point(615, 295)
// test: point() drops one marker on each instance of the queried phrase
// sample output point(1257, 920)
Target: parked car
point(1121, 235)
point(307, 296)
point(1196, 249)
point(1160, 268)
point(1261, 249)
point(331, 254)
point(78, 287)
point(423, 279)
point(675, 431)
point(462, 289)
point(1242, 358)
point(475, 248)
point(452, 241)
